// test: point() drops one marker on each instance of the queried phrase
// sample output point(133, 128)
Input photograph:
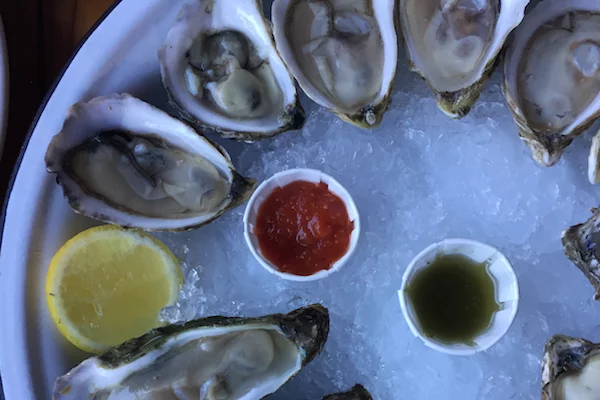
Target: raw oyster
point(358, 392)
point(454, 44)
point(594, 160)
point(221, 70)
point(215, 358)
point(570, 369)
point(123, 161)
point(581, 246)
point(552, 75)
point(343, 53)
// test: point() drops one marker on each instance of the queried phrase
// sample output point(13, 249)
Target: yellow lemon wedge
point(108, 284)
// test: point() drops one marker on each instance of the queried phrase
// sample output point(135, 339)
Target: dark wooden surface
point(41, 35)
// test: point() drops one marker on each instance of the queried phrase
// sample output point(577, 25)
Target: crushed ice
point(418, 178)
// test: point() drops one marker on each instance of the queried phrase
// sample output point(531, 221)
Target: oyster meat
point(122, 161)
point(221, 70)
point(552, 75)
point(570, 369)
point(215, 358)
point(581, 245)
point(358, 392)
point(453, 44)
point(343, 53)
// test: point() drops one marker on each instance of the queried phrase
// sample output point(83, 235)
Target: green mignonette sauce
point(454, 299)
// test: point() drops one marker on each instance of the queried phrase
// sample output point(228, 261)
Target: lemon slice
point(107, 285)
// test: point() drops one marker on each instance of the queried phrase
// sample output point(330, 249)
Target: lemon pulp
point(107, 285)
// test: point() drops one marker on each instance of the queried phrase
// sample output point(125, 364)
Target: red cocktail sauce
point(303, 228)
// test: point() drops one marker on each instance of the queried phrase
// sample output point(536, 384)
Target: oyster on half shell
point(570, 369)
point(123, 161)
point(454, 44)
point(215, 358)
point(552, 75)
point(358, 392)
point(343, 53)
point(221, 70)
point(581, 245)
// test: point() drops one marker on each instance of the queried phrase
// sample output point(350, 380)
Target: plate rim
point(48, 95)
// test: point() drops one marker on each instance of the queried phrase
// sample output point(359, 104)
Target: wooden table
point(41, 36)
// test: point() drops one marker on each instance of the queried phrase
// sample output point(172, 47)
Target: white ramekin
point(505, 281)
point(282, 179)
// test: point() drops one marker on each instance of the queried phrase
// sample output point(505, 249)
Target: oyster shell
point(552, 75)
point(594, 160)
point(454, 44)
point(222, 71)
point(343, 53)
point(212, 358)
point(123, 161)
point(358, 392)
point(570, 369)
point(580, 243)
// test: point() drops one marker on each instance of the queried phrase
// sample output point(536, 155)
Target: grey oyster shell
point(358, 392)
point(576, 21)
point(563, 356)
point(580, 243)
point(203, 18)
point(305, 330)
point(372, 54)
point(97, 187)
point(490, 22)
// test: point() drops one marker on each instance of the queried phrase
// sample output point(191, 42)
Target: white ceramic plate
point(119, 55)
point(3, 86)
point(37, 220)
point(369, 341)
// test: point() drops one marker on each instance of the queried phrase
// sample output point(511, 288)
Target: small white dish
point(505, 281)
point(282, 179)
